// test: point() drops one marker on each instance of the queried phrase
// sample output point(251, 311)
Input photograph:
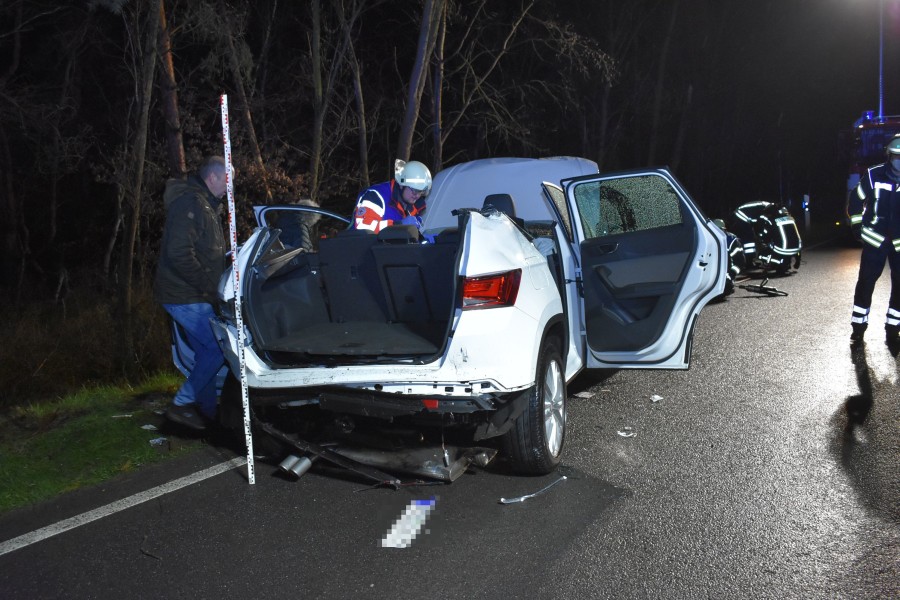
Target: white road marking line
point(119, 505)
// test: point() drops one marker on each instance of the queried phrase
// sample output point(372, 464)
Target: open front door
point(650, 261)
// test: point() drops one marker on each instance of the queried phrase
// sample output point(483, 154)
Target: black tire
point(231, 418)
point(231, 409)
point(535, 443)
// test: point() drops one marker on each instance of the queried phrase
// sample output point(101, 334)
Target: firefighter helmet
point(893, 147)
point(413, 174)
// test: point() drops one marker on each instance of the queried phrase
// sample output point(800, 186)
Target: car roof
point(467, 184)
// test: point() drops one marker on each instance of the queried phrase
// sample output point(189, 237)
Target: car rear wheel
point(535, 442)
point(231, 418)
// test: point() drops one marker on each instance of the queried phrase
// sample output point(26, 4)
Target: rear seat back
point(419, 280)
point(388, 278)
point(351, 281)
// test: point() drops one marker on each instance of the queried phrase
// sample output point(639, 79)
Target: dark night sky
point(808, 69)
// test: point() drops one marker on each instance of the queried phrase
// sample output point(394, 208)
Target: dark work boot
point(859, 330)
point(892, 334)
point(186, 415)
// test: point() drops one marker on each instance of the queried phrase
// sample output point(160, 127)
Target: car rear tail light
point(491, 291)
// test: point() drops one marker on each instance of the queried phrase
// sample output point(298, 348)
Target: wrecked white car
point(422, 357)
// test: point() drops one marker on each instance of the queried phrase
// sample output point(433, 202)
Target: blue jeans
point(200, 387)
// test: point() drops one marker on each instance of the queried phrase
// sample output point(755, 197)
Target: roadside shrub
point(54, 348)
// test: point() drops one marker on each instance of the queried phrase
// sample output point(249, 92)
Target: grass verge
point(85, 438)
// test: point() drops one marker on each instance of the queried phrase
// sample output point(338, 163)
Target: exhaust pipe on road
point(295, 465)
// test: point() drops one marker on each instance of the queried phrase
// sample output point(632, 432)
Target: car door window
point(635, 255)
point(559, 199)
point(303, 229)
point(626, 205)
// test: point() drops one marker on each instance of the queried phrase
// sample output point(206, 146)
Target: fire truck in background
point(867, 139)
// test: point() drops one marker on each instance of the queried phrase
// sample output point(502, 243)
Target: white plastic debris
point(627, 432)
point(122, 416)
point(583, 395)
point(527, 496)
point(149, 427)
point(656, 398)
point(408, 525)
point(158, 441)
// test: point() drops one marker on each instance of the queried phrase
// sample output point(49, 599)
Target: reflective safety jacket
point(769, 234)
point(381, 205)
point(746, 217)
point(875, 207)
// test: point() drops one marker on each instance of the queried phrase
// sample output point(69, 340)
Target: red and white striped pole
point(236, 282)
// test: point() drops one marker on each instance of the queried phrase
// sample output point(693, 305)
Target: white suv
point(538, 268)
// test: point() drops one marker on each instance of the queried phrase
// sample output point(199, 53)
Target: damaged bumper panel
point(434, 462)
point(442, 464)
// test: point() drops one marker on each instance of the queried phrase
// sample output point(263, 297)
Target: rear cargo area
point(361, 296)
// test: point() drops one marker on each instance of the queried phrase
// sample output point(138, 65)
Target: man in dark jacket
point(191, 262)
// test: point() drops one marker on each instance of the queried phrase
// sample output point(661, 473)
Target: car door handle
point(606, 248)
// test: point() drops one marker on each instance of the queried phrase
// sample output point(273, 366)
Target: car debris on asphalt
point(527, 496)
point(408, 525)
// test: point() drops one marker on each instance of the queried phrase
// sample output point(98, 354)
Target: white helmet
point(412, 174)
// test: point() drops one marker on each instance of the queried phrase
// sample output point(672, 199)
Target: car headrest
point(399, 234)
point(502, 202)
point(354, 232)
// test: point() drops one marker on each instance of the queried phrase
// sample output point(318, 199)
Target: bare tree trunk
point(477, 83)
point(241, 90)
point(169, 97)
point(318, 99)
point(14, 231)
point(682, 129)
point(437, 82)
point(262, 70)
point(11, 215)
point(356, 73)
point(323, 88)
point(132, 204)
point(660, 77)
point(427, 36)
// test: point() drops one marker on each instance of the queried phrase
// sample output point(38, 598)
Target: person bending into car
point(398, 201)
point(191, 262)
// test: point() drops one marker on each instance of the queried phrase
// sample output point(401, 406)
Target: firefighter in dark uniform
point(874, 212)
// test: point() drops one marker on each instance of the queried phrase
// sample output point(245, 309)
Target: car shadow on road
point(589, 378)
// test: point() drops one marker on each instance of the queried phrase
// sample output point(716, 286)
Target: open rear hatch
point(362, 296)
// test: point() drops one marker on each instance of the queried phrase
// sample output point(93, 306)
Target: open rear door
point(650, 260)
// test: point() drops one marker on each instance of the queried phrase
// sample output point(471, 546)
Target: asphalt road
point(742, 481)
